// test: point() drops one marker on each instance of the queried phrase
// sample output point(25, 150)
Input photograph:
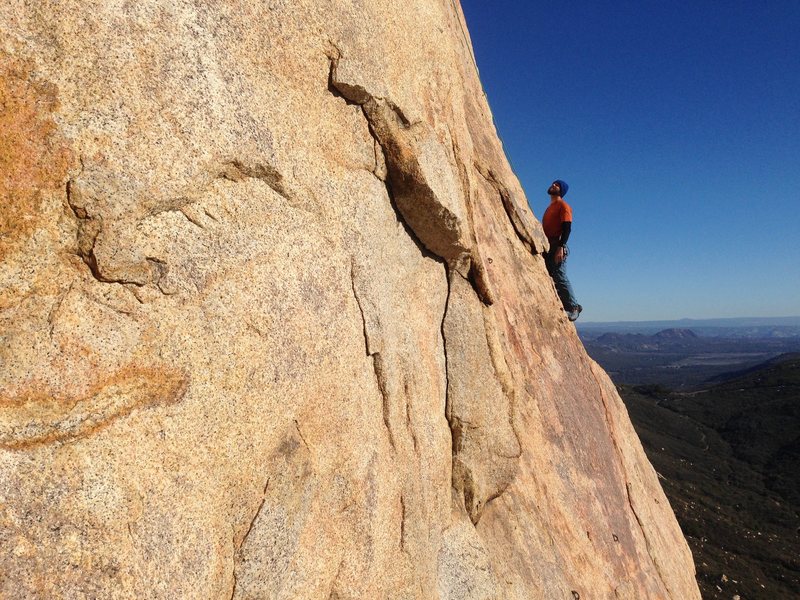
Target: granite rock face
point(274, 322)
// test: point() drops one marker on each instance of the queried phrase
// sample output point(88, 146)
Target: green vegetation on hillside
point(728, 457)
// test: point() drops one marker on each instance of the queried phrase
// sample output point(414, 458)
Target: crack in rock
point(104, 245)
point(425, 192)
point(236, 170)
point(479, 403)
point(423, 189)
point(91, 229)
point(510, 207)
point(429, 200)
point(383, 385)
point(373, 346)
point(371, 339)
point(238, 546)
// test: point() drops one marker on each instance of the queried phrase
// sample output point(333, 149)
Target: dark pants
point(559, 274)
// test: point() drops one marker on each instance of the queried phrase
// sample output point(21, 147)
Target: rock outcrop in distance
point(275, 322)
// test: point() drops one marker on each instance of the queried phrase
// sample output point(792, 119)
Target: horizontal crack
point(236, 170)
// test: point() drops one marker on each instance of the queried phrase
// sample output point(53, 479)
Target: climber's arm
point(566, 229)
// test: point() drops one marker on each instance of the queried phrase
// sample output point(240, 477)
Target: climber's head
point(558, 188)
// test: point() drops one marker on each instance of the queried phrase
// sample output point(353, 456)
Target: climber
point(557, 225)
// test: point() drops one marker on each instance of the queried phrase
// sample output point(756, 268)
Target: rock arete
point(274, 322)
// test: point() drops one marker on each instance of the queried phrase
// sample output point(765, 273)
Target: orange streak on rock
point(38, 416)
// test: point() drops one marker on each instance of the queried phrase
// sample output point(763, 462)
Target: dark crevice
point(255, 516)
point(332, 85)
point(472, 507)
point(90, 260)
point(89, 229)
point(300, 433)
point(478, 277)
point(191, 219)
point(424, 250)
point(448, 409)
point(387, 183)
point(404, 121)
point(409, 425)
point(402, 524)
point(181, 209)
point(355, 95)
point(479, 280)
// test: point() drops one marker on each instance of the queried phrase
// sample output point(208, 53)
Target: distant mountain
point(728, 458)
point(750, 327)
point(675, 334)
point(639, 341)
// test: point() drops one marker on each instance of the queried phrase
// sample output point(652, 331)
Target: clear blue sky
point(677, 127)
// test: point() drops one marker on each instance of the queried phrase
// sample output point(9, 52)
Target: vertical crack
point(89, 228)
point(477, 275)
point(51, 316)
point(448, 409)
point(409, 425)
point(427, 205)
point(255, 517)
point(300, 433)
point(502, 372)
point(479, 280)
point(358, 303)
point(510, 208)
point(380, 376)
point(238, 547)
point(373, 352)
point(402, 524)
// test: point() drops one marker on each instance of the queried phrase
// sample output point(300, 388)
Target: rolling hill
point(728, 457)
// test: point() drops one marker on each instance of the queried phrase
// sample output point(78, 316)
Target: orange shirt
point(557, 213)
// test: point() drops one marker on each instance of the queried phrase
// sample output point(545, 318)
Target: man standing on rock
point(557, 225)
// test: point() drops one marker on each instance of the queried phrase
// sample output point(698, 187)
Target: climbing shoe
point(573, 314)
